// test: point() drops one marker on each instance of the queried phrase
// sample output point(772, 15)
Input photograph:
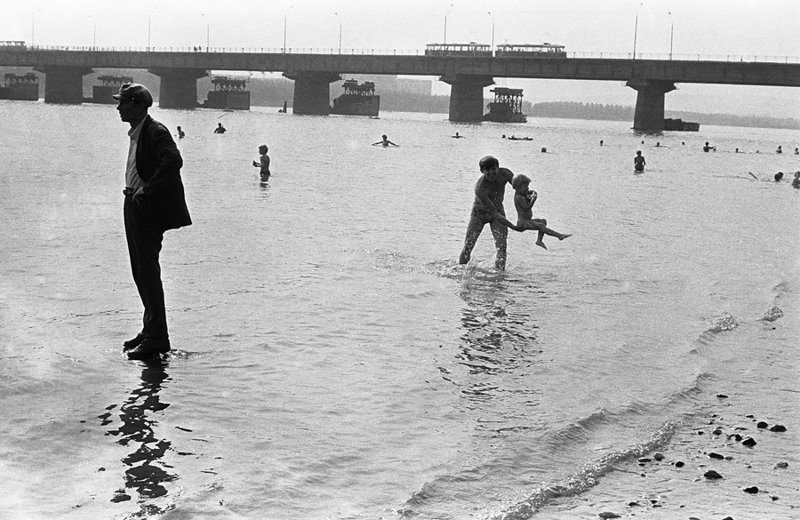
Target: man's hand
point(138, 196)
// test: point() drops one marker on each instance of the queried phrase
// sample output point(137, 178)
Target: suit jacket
point(158, 163)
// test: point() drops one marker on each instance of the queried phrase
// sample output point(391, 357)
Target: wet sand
point(737, 462)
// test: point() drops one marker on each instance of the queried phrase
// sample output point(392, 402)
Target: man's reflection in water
point(146, 471)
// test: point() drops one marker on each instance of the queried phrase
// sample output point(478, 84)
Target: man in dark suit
point(154, 203)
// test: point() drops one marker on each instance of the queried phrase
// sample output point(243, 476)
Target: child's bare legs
point(540, 237)
point(540, 225)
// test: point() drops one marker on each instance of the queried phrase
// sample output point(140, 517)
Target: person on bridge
point(263, 162)
point(220, 129)
point(488, 209)
point(154, 203)
point(639, 162)
point(385, 142)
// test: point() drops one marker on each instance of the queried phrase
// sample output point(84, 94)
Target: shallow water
point(331, 358)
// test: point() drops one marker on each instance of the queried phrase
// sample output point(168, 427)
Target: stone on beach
point(712, 475)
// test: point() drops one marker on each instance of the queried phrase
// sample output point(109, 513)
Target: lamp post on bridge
point(446, 12)
point(148, 28)
point(33, 27)
point(340, 31)
point(490, 14)
point(285, 15)
point(636, 29)
point(94, 33)
point(671, 32)
point(208, 32)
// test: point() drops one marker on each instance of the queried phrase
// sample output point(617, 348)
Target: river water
point(331, 359)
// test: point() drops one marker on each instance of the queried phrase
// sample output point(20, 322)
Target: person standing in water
point(154, 203)
point(488, 209)
point(638, 162)
point(263, 162)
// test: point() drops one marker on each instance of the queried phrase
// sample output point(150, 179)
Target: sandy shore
point(733, 463)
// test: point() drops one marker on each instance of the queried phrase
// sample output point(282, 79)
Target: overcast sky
point(712, 28)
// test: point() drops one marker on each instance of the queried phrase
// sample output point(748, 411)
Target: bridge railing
point(738, 58)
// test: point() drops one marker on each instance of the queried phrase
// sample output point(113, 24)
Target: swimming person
point(385, 142)
point(263, 162)
point(524, 198)
point(708, 148)
point(457, 136)
point(488, 209)
point(638, 162)
point(181, 134)
point(220, 129)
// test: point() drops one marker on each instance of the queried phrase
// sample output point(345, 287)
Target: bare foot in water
point(541, 244)
point(563, 236)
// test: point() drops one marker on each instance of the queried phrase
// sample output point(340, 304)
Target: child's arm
point(524, 200)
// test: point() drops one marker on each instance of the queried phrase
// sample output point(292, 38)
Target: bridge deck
point(609, 69)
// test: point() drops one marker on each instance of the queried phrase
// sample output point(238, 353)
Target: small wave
point(588, 477)
point(581, 430)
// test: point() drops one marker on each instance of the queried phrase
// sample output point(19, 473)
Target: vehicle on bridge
point(470, 49)
point(12, 45)
point(530, 50)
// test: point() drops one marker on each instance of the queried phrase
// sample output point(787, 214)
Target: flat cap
point(135, 92)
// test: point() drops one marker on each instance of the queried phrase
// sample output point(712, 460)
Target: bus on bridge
point(530, 50)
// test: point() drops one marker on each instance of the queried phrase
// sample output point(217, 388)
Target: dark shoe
point(133, 343)
point(149, 348)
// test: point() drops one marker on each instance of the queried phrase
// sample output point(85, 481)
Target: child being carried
point(524, 198)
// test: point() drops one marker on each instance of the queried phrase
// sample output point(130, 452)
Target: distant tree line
point(573, 110)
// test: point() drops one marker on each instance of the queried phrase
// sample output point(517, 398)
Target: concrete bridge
point(313, 72)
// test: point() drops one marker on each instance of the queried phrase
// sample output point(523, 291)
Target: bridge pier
point(64, 84)
point(312, 92)
point(178, 87)
point(466, 96)
point(649, 115)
